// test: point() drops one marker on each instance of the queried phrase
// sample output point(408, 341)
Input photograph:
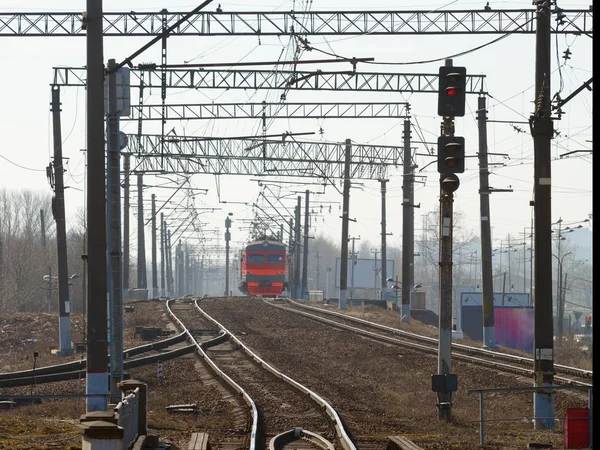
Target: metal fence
point(482, 419)
point(126, 413)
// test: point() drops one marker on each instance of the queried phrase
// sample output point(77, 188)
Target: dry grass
point(36, 427)
point(569, 353)
point(53, 423)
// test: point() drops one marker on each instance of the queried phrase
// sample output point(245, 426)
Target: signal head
point(452, 90)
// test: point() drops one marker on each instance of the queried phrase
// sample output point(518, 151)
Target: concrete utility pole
point(318, 256)
point(487, 280)
point(296, 293)
point(305, 250)
point(292, 249)
point(179, 267)
point(83, 286)
point(64, 303)
point(383, 239)
point(375, 271)
point(353, 258)
point(560, 287)
point(162, 255)
point(227, 239)
point(202, 276)
point(154, 262)
point(181, 270)
point(177, 271)
point(408, 226)
point(531, 259)
point(126, 209)
point(187, 270)
point(542, 132)
point(97, 343)
point(170, 279)
point(43, 228)
point(113, 220)
point(345, 219)
point(1, 263)
point(141, 260)
point(561, 298)
point(50, 288)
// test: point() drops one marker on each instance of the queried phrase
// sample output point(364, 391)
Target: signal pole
point(451, 103)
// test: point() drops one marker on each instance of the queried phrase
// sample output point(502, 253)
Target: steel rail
point(81, 363)
point(461, 351)
point(200, 348)
point(66, 374)
point(343, 437)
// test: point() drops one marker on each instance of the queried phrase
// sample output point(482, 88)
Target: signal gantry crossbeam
point(316, 23)
point(264, 79)
point(259, 157)
point(269, 111)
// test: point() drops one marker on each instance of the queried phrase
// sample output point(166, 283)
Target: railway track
point(270, 409)
point(267, 409)
point(169, 348)
point(212, 339)
point(564, 375)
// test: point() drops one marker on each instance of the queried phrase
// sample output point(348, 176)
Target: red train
point(263, 268)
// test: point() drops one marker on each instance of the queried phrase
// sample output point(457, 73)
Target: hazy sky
point(508, 65)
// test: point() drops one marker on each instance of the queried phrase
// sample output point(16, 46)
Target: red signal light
point(451, 91)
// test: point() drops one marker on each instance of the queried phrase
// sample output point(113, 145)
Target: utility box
point(315, 296)
point(418, 300)
point(577, 428)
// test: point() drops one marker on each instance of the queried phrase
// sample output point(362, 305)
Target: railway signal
point(452, 90)
point(449, 182)
point(451, 154)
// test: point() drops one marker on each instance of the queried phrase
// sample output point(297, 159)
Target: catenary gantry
point(361, 110)
point(264, 79)
point(141, 23)
point(261, 157)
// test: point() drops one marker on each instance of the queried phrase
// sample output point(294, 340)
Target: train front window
point(274, 258)
point(256, 258)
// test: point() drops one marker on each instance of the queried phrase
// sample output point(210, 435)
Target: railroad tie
point(401, 443)
point(199, 441)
